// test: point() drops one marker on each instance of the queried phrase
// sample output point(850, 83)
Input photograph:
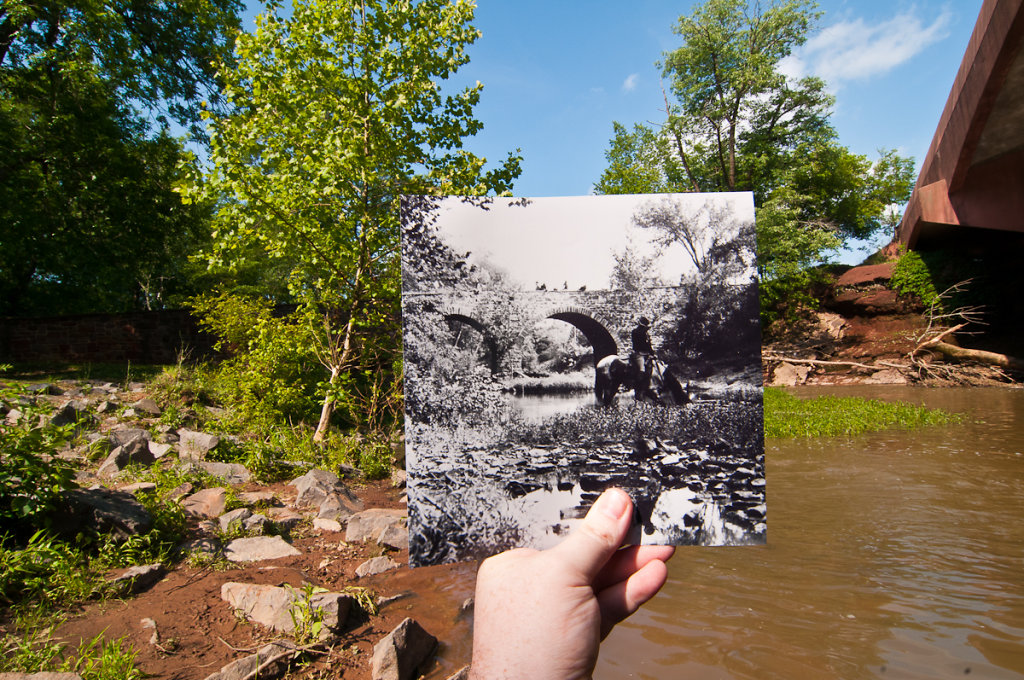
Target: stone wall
point(139, 337)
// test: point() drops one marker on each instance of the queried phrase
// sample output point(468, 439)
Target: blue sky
point(556, 74)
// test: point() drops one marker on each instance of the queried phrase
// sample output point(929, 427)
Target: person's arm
point(542, 614)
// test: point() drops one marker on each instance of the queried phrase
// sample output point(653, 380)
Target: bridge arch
point(599, 337)
point(489, 341)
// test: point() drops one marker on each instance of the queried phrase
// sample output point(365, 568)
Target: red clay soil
point(198, 632)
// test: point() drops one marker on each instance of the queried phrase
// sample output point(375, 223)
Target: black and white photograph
point(555, 347)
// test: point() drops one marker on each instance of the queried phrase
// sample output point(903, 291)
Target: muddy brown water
point(891, 555)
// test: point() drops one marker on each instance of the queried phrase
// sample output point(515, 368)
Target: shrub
point(910, 276)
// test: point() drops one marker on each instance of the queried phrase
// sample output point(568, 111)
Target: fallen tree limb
point(993, 358)
point(821, 362)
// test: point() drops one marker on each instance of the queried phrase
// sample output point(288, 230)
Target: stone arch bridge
point(604, 317)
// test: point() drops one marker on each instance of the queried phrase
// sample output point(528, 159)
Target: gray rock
point(159, 450)
point(13, 416)
point(265, 498)
point(196, 445)
point(370, 524)
point(208, 547)
point(405, 649)
point(135, 451)
point(286, 518)
point(322, 524)
point(399, 478)
point(313, 487)
point(788, 375)
point(394, 536)
point(255, 524)
point(338, 506)
point(72, 412)
point(207, 503)
point(106, 406)
point(232, 473)
point(138, 487)
point(270, 661)
point(148, 406)
point(139, 578)
point(237, 517)
point(123, 436)
point(376, 565)
point(111, 512)
point(272, 606)
point(259, 548)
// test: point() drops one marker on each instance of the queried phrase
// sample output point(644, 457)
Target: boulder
point(272, 606)
point(138, 487)
point(148, 406)
point(139, 578)
point(109, 512)
point(376, 565)
point(237, 517)
point(322, 524)
point(265, 498)
point(159, 450)
point(196, 445)
point(286, 518)
point(232, 473)
point(207, 503)
point(370, 524)
point(126, 435)
point(788, 375)
point(314, 487)
point(394, 536)
point(259, 548)
point(405, 649)
point(866, 275)
point(71, 412)
point(338, 506)
point(135, 452)
point(270, 661)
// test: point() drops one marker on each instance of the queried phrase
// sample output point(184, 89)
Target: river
point(891, 555)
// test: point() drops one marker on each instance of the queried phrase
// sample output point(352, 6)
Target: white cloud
point(855, 50)
point(629, 84)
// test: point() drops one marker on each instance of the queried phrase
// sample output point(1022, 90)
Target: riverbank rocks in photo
point(376, 565)
point(402, 652)
point(134, 580)
point(207, 502)
point(317, 487)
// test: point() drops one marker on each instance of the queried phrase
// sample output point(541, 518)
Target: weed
point(307, 620)
point(828, 416)
point(364, 597)
point(47, 571)
point(97, 659)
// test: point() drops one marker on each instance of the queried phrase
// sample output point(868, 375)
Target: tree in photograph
point(92, 222)
point(338, 110)
point(735, 122)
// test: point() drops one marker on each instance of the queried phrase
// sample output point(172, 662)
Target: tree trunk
point(992, 358)
point(328, 407)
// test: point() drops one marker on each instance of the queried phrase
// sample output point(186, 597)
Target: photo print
point(555, 347)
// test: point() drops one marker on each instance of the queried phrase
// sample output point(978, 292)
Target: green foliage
point(33, 651)
point(789, 416)
point(88, 92)
point(337, 111)
point(31, 476)
point(308, 621)
point(48, 572)
point(267, 378)
point(99, 659)
point(911, 276)
point(170, 528)
point(738, 124)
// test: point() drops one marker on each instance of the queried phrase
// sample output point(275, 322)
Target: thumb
point(604, 528)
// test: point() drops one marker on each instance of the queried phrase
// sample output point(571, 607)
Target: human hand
point(542, 614)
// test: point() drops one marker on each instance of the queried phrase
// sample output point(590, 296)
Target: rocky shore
point(304, 578)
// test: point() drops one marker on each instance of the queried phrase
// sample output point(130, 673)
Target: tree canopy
point(735, 122)
point(336, 111)
point(87, 161)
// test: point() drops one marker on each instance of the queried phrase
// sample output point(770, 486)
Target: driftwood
point(821, 362)
point(985, 357)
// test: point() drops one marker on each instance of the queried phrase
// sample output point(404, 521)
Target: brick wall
point(139, 337)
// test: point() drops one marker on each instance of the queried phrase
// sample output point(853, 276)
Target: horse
point(614, 371)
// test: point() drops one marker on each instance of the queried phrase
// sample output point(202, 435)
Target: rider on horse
point(642, 357)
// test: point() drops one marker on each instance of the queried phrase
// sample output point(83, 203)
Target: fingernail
point(613, 503)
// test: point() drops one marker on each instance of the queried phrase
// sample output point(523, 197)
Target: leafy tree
point(87, 165)
point(736, 123)
point(337, 111)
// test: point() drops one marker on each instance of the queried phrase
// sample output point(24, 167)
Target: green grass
point(119, 373)
point(787, 416)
